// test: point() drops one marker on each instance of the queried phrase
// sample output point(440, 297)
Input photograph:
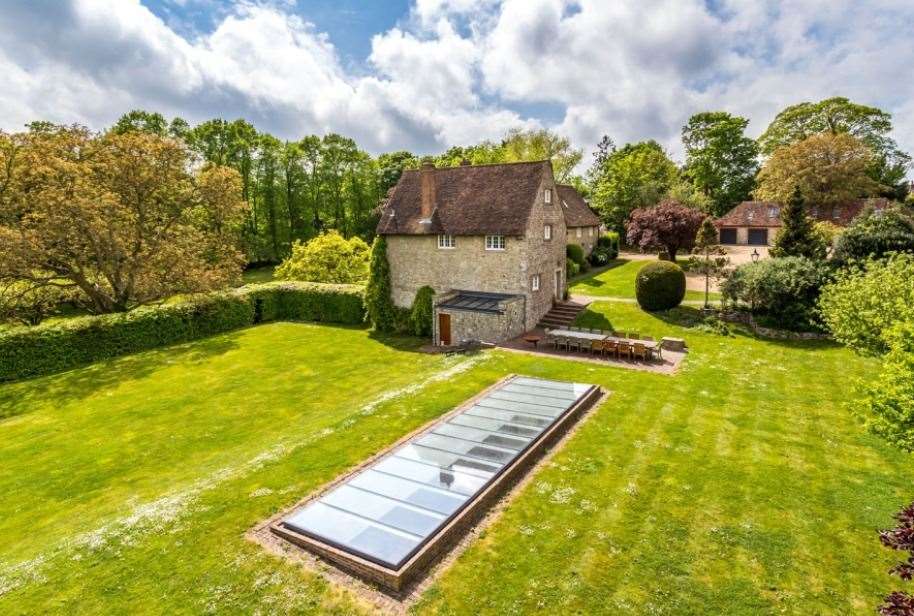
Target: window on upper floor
point(535, 282)
point(547, 232)
point(590, 231)
point(547, 196)
point(577, 232)
point(495, 242)
point(836, 214)
point(445, 241)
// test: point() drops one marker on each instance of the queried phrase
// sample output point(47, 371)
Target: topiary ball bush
point(660, 285)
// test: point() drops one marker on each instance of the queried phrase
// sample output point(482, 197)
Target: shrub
point(44, 349)
point(422, 312)
point(601, 256)
point(865, 302)
point(785, 290)
point(379, 307)
point(327, 258)
point(887, 402)
point(875, 234)
point(660, 285)
point(610, 242)
point(571, 269)
point(575, 253)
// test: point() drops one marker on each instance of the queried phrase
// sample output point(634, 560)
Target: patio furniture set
point(620, 345)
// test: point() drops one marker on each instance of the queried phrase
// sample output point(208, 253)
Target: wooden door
point(728, 236)
point(444, 329)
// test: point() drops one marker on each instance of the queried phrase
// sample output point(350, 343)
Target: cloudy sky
point(426, 74)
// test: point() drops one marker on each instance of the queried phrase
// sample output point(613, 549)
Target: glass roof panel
point(386, 512)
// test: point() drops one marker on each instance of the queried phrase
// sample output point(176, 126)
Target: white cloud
point(456, 71)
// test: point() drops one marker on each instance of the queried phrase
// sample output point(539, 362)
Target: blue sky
point(425, 75)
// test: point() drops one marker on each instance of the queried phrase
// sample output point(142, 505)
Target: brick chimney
point(427, 178)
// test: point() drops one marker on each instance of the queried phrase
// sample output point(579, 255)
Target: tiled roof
point(469, 200)
point(767, 214)
point(577, 212)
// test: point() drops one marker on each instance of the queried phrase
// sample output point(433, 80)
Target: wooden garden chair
point(639, 351)
point(610, 347)
point(625, 350)
point(596, 346)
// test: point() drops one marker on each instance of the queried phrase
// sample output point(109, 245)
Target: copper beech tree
point(669, 226)
point(125, 219)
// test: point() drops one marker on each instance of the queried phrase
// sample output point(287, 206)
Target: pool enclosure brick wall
point(388, 520)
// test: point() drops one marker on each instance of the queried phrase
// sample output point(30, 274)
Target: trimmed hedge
point(660, 285)
point(44, 349)
point(576, 253)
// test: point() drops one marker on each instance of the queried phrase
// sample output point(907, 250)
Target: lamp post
point(755, 256)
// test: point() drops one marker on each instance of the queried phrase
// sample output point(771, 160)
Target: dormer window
point(751, 216)
point(773, 212)
point(547, 196)
point(445, 242)
point(495, 242)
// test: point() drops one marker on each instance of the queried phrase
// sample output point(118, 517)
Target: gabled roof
point(469, 200)
point(768, 214)
point(752, 214)
point(577, 212)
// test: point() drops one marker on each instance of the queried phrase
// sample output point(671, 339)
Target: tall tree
point(797, 237)
point(543, 144)
point(829, 169)
point(391, 166)
point(139, 120)
point(118, 217)
point(721, 161)
point(669, 226)
point(634, 176)
point(839, 115)
point(710, 258)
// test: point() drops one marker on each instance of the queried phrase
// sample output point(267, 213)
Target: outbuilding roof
point(577, 212)
point(768, 214)
point(469, 200)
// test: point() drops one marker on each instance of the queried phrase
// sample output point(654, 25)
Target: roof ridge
point(474, 165)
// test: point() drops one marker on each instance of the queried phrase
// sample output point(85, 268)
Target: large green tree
point(120, 218)
point(721, 161)
point(634, 176)
point(829, 169)
point(519, 145)
point(838, 115)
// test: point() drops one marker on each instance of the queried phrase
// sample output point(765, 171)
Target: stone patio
point(668, 365)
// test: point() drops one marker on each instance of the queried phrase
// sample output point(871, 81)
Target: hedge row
point(54, 347)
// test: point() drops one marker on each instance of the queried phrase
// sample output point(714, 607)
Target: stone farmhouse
point(583, 226)
point(489, 239)
point(756, 223)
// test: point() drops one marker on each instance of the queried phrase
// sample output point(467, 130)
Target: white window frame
point(535, 282)
point(590, 231)
point(495, 242)
point(446, 241)
point(547, 196)
point(577, 231)
point(547, 232)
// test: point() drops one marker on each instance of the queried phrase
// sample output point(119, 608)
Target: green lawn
point(618, 280)
point(739, 485)
point(258, 274)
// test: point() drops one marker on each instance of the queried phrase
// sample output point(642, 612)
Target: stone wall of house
point(585, 237)
point(482, 326)
point(416, 261)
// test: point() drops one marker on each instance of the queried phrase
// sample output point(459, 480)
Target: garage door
point(728, 236)
point(758, 237)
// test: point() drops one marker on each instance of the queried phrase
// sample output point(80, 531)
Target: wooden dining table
point(590, 336)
